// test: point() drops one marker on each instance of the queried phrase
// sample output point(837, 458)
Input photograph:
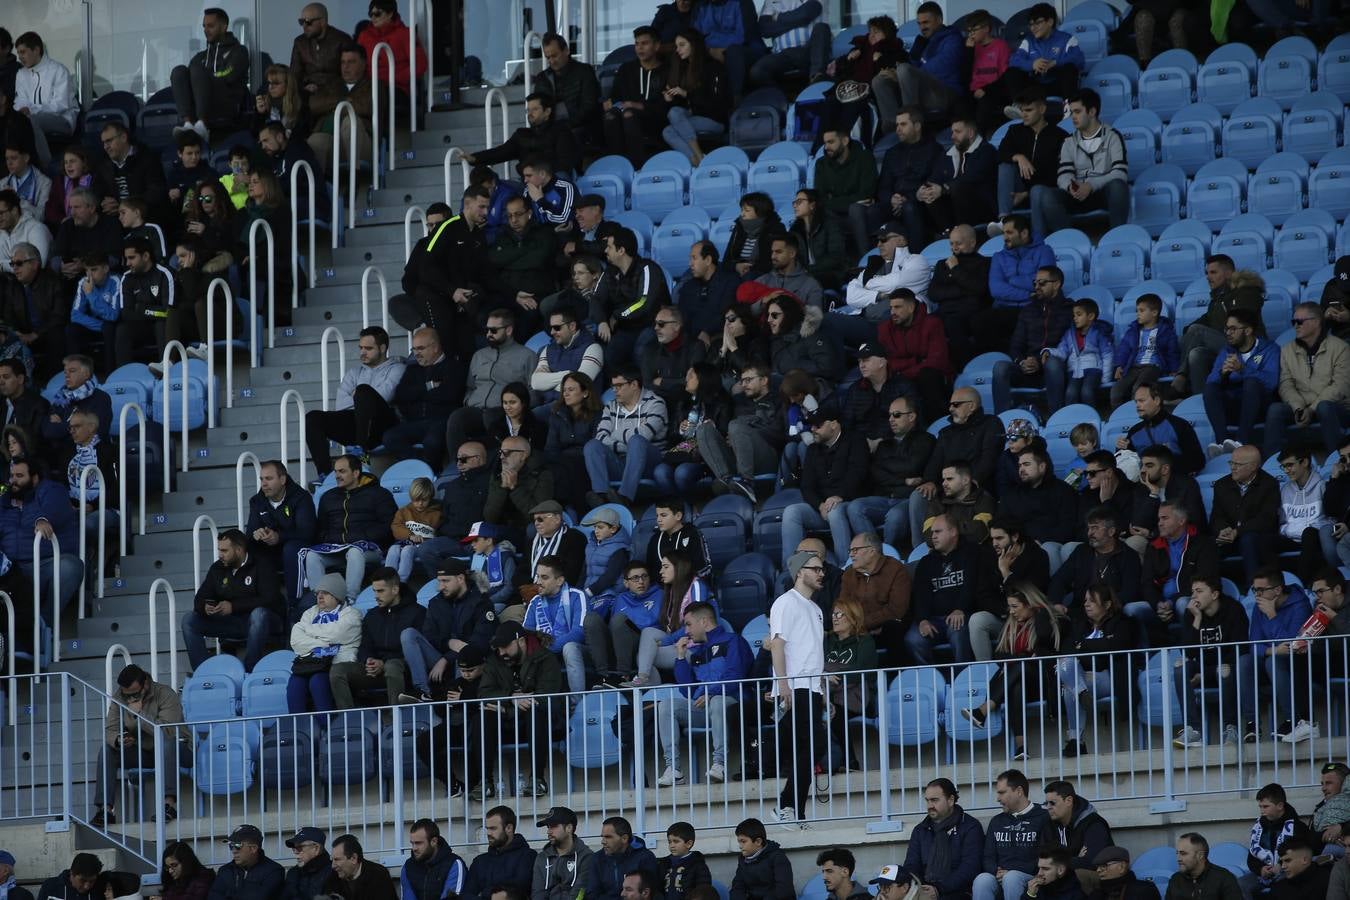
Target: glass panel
point(60, 24)
point(137, 52)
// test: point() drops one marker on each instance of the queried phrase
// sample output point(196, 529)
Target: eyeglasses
point(854, 550)
point(1090, 472)
point(957, 404)
point(659, 324)
point(774, 316)
point(730, 319)
point(1298, 322)
point(233, 845)
point(493, 329)
point(899, 415)
point(554, 329)
point(750, 379)
point(543, 517)
point(15, 263)
point(206, 199)
point(643, 577)
point(305, 23)
point(465, 459)
point(1042, 282)
point(1272, 589)
point(505, 453)
point(618, 384)
point(813, 568)
point(836, 615)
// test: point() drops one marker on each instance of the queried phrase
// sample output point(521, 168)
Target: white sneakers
point(670, 776)
point(1188, 737)
point(1303, 731)
point(717, 773)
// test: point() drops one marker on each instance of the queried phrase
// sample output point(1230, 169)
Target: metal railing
point(365, 308)
point(531, 38)
point(169, 349)
point(295, 238)
point(344, 108)
point(407, 231)
point(336, 334)
point(375, 109)
point(158, 586)
point(108, 678)
point(464, 174)
point(197, 524)
point(241, 504)
point(499, 96)
point(11, 654)
point(102, 527)
point(412, 61)
point(211, 289)
point(299, 471)
point(271, 283)
point(122, 442)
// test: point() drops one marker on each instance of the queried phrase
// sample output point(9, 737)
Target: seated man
point(554, 537)
point(950, 582)
point(845, 173)
point(458, 616)
point(1029, 153)
point(541, 137)
point(35, 305)
point(518, 486)
point(973, 436)
point(799, 40)
point(665, 361)
point(1204, 339)
point(361, 411)
point(1128, 501)
point(1040, 324)
point(1314, 382)
point(754, 435)
point(521, 264)
point(1103, 558)
point(1092, 172)
point(1075, 827)
point(211, 90)
point(148, 302)
point(583, 238)
point(1013, 272)
point(571, 348)
point(867, 296)
point(914, 160)
point(462, 501)
point(425, 395)
point(1246, 510)
point(354, 87)
point(946, 848)
point(674, 535)
point(1010, 841)
point(353, 531)
point(1047, 58)
point(963, 191)
point(1210, 618)
point(379, 660)
point(960, 291)
point(1160, 482)
point(1243, 381)
point(1158, 427)
point(1178, 554)
point(126, 170)
point(962, 500)
point(238, 600)
point(502, 361)
point(895, 471)
point(879, 585)
point(574, 85)
point(1301, 874)
point(786, 272)
point(867, 401)
point(84, 487)
point(635, 111)
point(1039, 500)
point(832, 475)
point(280, 524)
point(281, 154)
point(21, 225)
point(558, 610)
point(706, 653)
point(23, 405)
point(917, 348)
point(628, 439)
point(632, 290)
point(35, 504)
point(932, 79)
point(129, 740)
point(551, 198)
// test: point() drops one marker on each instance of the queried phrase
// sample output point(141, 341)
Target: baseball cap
point(824, 413)
point(548, 506)
point(452, 566)
point(471, 657)
point(1110, 855)
point(308, 835)
point(506, 633)
point(245, 834)
point(6, 858)
point(483, 530)
point(871, 348)
point(1020, 428)
point(891, 228)
point(888, 875)
point(603, 514)
point(558, 815)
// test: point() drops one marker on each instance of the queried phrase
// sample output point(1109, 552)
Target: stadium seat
point(1114, 79)
point(156, 121)
point(1165, 292)
point(720, 234)
point(744, 588)
point(756, 632)
point(1312, 291)
point(1165, 86)
point(659, 186)
point(804, 123)
point(1329, 184)
point(712, 183)
point(1060, 424)
point(1189, 309)
point(979, 374)
point(611, 177)
point(1225, 80)
point(1304, 244)
point(1156, 198)
point(766, 533)
point(725, 524)
point(1189, 140)
point(1179, 253)
point(844, 38)
point(348, 755)
point(1333, 68)
point(212, 692)
point(1247, 239)
point(1094, 9)
point(1121, 258)
point(968, 690)
point(592, 739)
point(1073, 250)
point(1252, 132)
point(537, 342)
point(222, 764)
point(640, 223)
point(1313, 126)
point(1156, 864)
point(671, 242)
point(997, 137)
point(1092, 36)
point(1122, 418)
point(758, 121)
point(991, 246)
point(277, 660)
point(398, 478)
point(1192, 409)
point(1276, 188)
point(1141, 129)
point(914, 705)
point(937, 251)
point(1287, 70)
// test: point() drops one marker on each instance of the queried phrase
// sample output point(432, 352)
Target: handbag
point(305, 666)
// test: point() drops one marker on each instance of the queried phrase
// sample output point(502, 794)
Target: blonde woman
point(848, 649)
point(280, 102)
point(1031, 630)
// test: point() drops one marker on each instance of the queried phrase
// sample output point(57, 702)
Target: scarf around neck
point(940, 865)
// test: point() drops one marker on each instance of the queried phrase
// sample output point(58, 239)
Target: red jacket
point(923, 345)
point(395, 34)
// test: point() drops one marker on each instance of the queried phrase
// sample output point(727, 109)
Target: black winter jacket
point(382, 627)
point(765, 876)
point(897, 459)
point(609, 871)
point(431, 392)
point(511, 866)
point(363, 513)
point(681, 875)
point(462, 502)
point(1042, 509)
point(964, 290)
point(303, 882)
point(839, 470)
point(1087, 833)
point(978, 441)
point(262, 882)
point(469, 618)
point(554, 142)
point(248, 587)
point(293, 520)
point(905, 167)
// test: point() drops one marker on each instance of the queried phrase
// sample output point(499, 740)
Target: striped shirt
point(793, 37)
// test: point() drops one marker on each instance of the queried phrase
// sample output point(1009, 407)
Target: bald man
point(316, 52)
point(974, 436)
point(426, 395)
point(1246, 518)
point(960, 288)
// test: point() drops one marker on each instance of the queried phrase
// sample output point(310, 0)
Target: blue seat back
point(914, 704)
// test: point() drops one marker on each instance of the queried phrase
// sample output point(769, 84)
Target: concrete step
point(312, 320)
point(136, 586)
point(372, 235)
point(348, 275)
point(427, 180)
point(364, 254)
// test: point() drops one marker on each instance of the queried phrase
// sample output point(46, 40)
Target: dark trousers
point(627, 133)
point(361, 425)
point(430, 433)
point(1243, 402)
point(799, 727)
point(136, 334)
point(933, 393)
point(192, 94)
point(1063, 81)
point(491, 733)
point(961, 204)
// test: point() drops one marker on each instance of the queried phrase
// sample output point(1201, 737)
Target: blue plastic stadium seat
point(1114, 79)
point(1073, 250)
point(1252, 132)
point(1141, 129)
point(1287, 70)
point(1333, 68)
point(1179, 253)
point(744, 587)
point(1276, 188)
point(1303, 245)
point(758, 121)
point(610, 177)
point(1121, 258)
point(1061, 423)
point(1156, 198)
point(711, 184)
point(640, 223)
point(1190, 138)
point(1226, 78)
point(1247, 239)
point(1313, 126)
point(1092, 36)
point(670, 245)
point(725, 523)
point(1329, 184)
point(1165, 86)
point(1094, 9)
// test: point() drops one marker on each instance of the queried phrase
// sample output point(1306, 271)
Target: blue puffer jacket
point(609, 871)
point(641, 609)
point(1167, 352)
point(49, 500)
point(940, 56)
point(1059, 47)
point(1263, 365)
point(1012, 271)
point(1096, 353)
point(964, 855)
point(559, 615)
point(94, 309)
point(600, 556)
point(724, 656)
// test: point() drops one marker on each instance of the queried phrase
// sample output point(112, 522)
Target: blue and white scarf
point(84, 456)
point(366, 546)
point(326, 617)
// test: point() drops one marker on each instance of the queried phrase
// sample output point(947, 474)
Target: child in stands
point(684, 869)
point(1147, 351)
point(1087, 351)
point(413, 523)
point(493, 563)
point(1085, 440)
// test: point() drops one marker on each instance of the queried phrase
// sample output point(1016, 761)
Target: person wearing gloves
point(866, 295)
point(947, 847)
point(559, 610)
point(328, 632)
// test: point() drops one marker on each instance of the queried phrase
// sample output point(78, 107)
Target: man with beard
point(563, 869)
point(433, 871)
point(945, 849)
point(445, 279)
point(962, 190)
point(508, 861)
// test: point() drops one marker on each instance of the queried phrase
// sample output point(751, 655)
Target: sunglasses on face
point(465, 459)
point(305, 23)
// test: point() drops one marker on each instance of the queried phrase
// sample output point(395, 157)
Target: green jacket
point(842, 183)
point(539, 672)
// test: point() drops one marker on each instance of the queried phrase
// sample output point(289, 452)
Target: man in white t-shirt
point(796, 643)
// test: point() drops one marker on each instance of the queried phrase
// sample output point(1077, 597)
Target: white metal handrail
point(162, 584)
point(102, 521)
point(299, 471)
point(530, 38)
point(113, 651)
point(295, 233)
point(365, 301)
point(464, 171)
point(211, 290)
point(412, 60)
point(499, 96)
point(37, 599)
point(344, 108)
point(122, 507)
point(407, 231)
point(375, 111)
point(183, 388)
point(248, 456)
point(336, 334)
point(201, 520)
point(11, 635)
point(271, 281)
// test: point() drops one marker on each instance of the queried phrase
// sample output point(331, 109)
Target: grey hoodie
point(563, 877)
point(493, 368)
point(1103, 163)
point(618, 426)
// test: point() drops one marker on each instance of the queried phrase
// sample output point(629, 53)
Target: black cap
point(471, 657)
point(589, 200)
point(891, 228)
point(824, 413)
point(310, 835)
point(558, 815)
point(452, 566)
point(870, 348)
point(506, 633)
point(245, 834)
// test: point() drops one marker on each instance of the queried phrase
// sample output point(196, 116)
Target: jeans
point(1288, 676)
point(1243, 401)
point(347, 678)
point(813, 56)
point(603, 464)
point(921, 648)
point(798, 517)
point(1082, 389)
point(684, 130)
point(865, 513)
point(673, 716)
point(613, 644)
point(253, 629)
point(1200, 346)
point(420, 657)
point(651, 655)
point(310, 693)
point(677, 480)
point(573, 656)
point(1009, 182)
point(354, 559)
point(984, 628)
point(744, 452)
point(430, 553)
point(1239, 668)
point(987, 887)
point(1007, 375)
point(400, 558)
point(1074, 683)
point(1331, 417)
point(140, 755)
point(1052, 208)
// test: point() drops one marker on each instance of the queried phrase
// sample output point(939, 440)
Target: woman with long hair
point(209, 218)
point(739, 347)
point(680, 586)
point(696, 94)
point(267, 201)
point(517, 419)
point(1031, 630)
point(280, 101)
point(182, 875)
point(703, 400)
point(824, 251)
point(848, 649)
point(1100, 666)
point(571, 423)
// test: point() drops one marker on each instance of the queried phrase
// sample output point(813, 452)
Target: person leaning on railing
point(130, 741)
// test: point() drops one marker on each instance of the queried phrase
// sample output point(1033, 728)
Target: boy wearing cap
point(312, 865)
point(458, 616)
point(250, 874)
point(559, 611)
point(833, 474)
point(493, 563)
point(564, 868)
point(79, 882)
point(606, 555)
point(9, 885)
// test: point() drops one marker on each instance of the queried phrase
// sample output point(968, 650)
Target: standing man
point(361, 411)
point(445, 280)
point(797, 649)
point(129, 740)
point(214, 84)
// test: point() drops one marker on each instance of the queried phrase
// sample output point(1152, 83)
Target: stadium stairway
point(208, 488)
